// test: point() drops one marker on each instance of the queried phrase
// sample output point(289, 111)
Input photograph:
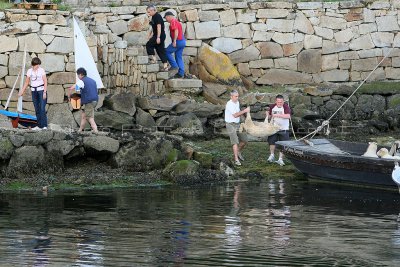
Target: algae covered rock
point(27, 161)
point(205, 159)
point(143, 153)
point(186, 168)
point(218, 65)
point(172, 156)
point(6, 148)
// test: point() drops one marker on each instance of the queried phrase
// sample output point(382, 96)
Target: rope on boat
point(325, 123)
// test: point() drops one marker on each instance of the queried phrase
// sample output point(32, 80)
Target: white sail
point(83, 56)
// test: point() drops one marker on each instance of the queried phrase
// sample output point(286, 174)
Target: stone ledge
point(184, 83)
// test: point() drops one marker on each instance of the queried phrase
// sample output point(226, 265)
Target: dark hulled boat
point(338, 161)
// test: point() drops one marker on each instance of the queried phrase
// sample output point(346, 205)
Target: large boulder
point(163, 103)
point(190, 172)
point(63, 147)
point(199, 109)
point(124, 102)
point(218, 65)
point(95, 145)
point(34, 138)
point(6, 148)
point(28, 161)
point(205, 159)
point(113, 119)
point(188, 125)
point(60, 114)
point(212, 91)
point(177, 169)
point(144, 153)
point(144, 119)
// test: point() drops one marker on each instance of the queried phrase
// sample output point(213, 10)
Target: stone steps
point(184, 86)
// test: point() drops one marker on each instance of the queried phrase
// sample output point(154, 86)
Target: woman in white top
point(36, 78)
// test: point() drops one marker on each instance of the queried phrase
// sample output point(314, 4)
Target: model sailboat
point(83, 59)
point(19, 117)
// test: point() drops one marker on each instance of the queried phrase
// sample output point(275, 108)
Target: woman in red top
point(177, 45)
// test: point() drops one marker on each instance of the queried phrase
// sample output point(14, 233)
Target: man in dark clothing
point(89, 98)
point(156, 37)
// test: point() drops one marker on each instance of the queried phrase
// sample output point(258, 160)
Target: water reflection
point(246, 224)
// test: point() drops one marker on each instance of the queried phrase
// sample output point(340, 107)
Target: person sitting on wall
point(177, 45)
point(156, 37)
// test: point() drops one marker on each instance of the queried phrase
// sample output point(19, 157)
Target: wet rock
point(6, 148)
point(172, 156)
point(226, 169)
point(27, 161)
point(185, 168)
point(205, 159)
point(143, 153)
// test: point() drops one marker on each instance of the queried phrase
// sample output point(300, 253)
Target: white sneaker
point(280, 162)
point(271, 158)
point(240, 156)
point(36, 128)
point(237, 163)
point(44, 128)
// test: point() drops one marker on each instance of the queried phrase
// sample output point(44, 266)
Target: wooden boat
point(338, 161)
point(23, 119)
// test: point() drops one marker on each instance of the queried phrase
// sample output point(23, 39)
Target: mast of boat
point(20, 98)
point(21, 82)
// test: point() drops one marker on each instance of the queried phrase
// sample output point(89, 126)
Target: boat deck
point(319, 145)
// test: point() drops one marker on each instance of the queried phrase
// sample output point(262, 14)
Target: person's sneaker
point(44, 128)
point(240, 156)
point(280, 162)
point(177, 76)
point(271, 158)
point(36, 128)
point(237, 163)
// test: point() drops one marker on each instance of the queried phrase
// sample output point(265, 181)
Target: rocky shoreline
point(43, 158)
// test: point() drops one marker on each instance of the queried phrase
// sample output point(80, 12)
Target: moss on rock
point(205, 159)
point(172, 156)
point(6, 148)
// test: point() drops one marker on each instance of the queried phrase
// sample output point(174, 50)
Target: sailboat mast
point(21, 83)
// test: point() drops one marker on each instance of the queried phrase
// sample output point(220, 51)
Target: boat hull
point(339, 167)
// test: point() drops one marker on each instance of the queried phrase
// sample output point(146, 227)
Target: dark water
point(271, 223)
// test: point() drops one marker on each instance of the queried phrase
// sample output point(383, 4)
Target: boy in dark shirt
point(156, 37)
point(89, 98)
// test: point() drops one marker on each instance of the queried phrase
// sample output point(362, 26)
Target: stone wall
point(285, 42)
point(269, 43)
